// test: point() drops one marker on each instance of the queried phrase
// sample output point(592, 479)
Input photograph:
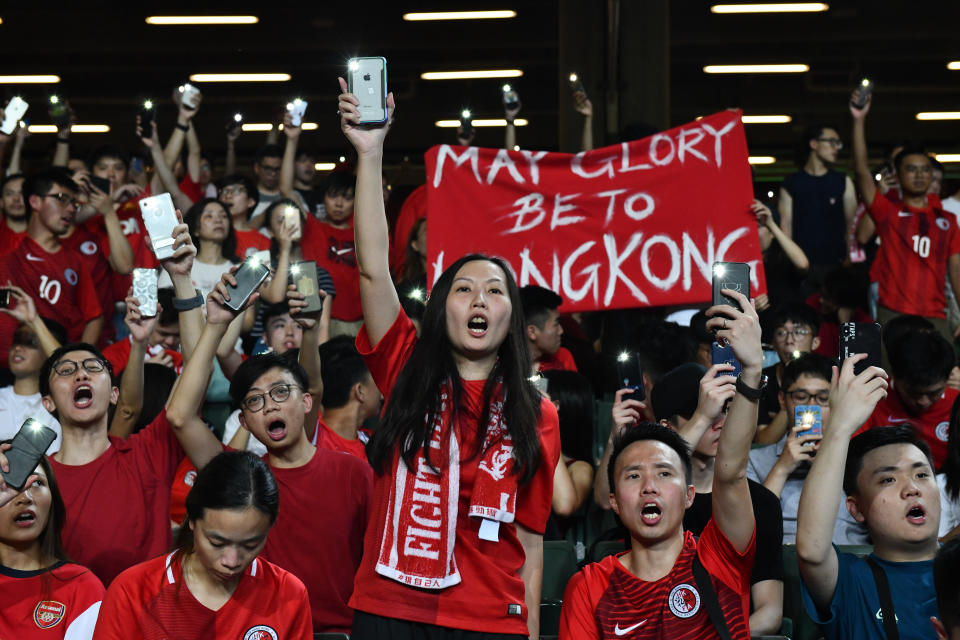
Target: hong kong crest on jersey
point(48, 613)
point(684, 600)
point(261, 632)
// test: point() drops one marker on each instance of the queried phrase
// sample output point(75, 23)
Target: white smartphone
point(367, 79)
point(188, 95)
point(159, 217)
point(12, 114)
point(291, 218)
point(297, 108)
point(145, 291)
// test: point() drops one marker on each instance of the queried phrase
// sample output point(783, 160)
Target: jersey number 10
point(921, 246)
point(50, 289)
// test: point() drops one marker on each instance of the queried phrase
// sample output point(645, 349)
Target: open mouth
point(650, 513)
point(25, 519)
point(82, 396)
point(916, 515)
point(477, 325)
point(277, 430)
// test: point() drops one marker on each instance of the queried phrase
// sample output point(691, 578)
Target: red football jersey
point(333, 250)
point(118, 354)
point(62, 602)
point(490, 571)
point(152, 601)
point(915, 245)
point(932, 425)
point(249, 242)
point(605, 600)
point(59, 283)
point(9, 239)
point(318, 535)
point(118, 506)
point(562, 360)
point(327, 438)
point(94, 252)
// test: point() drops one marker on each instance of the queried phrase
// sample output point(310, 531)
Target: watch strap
point(748, 392)
point(186, 304)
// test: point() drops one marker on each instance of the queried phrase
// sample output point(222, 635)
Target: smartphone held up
point(367, 80)
point(28, 447)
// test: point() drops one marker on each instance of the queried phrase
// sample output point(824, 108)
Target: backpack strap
point(886, 600)
point(709, 598)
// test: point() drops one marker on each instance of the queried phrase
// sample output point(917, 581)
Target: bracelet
point(183, 127)
point(749, 392)
point(186, 304)
point(63, 140)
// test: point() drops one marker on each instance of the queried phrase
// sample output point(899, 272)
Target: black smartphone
point(250, 276)
point(29, 446)
point(466, 123)
point(148, 117)
point(100, 183)
point(724, 355)
point(511, 99)
point(861, 337)
point(303, 275)
point(58, 111)
point(235, 122)
point(630, 376)
point(4, 298)
point(866, 90)
point(576, 84)
point(730, 275)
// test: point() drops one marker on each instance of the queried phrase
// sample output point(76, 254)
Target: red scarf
point(419, 530)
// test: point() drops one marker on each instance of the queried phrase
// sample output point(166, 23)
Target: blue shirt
point(855, 609)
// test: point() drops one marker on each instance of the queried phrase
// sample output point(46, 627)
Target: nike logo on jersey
point(33, 258)
point(340, 252)
point(904, 214)
point(893, 420)
point(622, 632)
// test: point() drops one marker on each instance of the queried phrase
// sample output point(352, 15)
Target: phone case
point(100, 183)
point(188, 95)
point(809, 416)
point(28, 447)
point(159, 217)
point(730, 275)
point(303, 275)
point(145, 291)
point(511, 99)
point(367, 79)
point(630, 376)
point(724, 355)
point(861, 337)
point(4, 298)
point(297, 108)
point(250, 275)
point(148, 117)
point(12, 114)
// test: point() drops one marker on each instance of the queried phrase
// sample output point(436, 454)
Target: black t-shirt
point(313, 198)
point(819, 225)
point(768, 559)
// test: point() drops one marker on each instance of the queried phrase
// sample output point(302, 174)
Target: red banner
point(631, 225)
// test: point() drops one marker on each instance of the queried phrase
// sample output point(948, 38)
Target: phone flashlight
point(465, 114)
point(54, 99)
point(416, 294)
point(623, 356)
point(796, 354)
point(237, 117)
point(573, 77)
point(719, 270)
point(353, 65)
point(807, 419)
point(769, 194)
point(865, 82)
point(148, 104)
point(879, 177)
point(295, 269)
point(506, 88)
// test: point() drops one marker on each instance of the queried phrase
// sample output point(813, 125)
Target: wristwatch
point(749, 392)
point(186, 304)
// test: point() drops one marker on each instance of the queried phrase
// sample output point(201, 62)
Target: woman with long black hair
point(466, 451)
point(211, 230)
point(949, 480)
point(42, 594)
point(213, 585)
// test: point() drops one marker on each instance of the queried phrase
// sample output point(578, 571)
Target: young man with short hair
point(653, 589)
point(542, 322)
point(782, 467)
point(14, 225)
point(920, 364)
point(266, 168)
point(887, 476)
point(318, 535)
point(350, 397)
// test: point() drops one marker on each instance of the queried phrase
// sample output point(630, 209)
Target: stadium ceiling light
point(765, 119)
point(459, 15)
point(325, 166)
point(240, 77)
point(468, 75)
point(256, 126)
point(771, 7)
point(491, 122)
point(77, 128)
point(205, 20)
point(756, 68)
point(304, 126)
point(938, 115)
point(761, 159)
point(29, 79)
point(954, 66)
point(947, 157)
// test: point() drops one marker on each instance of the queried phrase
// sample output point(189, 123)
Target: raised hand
point(626, 412)
point(798, 447)
point(217, 311)
point(184, 252)
point(853, 397)
point(25, 311)
point(289, 129)
point(582, 104)
point(140, 327)
point(739, 328)
point(715, 391)
point(859, 113)
point(296, 302)
point(364, 138)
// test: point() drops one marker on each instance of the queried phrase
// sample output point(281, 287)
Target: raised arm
point(178, 267)
point(130, 403)
point(121, 253)
point(61, 155)
point(230, 162)
point(160, 165)
point(624, 414)
point(732, 506)
point(25, 311)
point(790, 248)
point(309, 352)
point(868, 189)
point(852, 400)
point(378, 296)
point(180, 132)
point(785, 207)
point(16, 156)
point(276, 290)
point(715, 391)
point(584, 107)
point(292, 135)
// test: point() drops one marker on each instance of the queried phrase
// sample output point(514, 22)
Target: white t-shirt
point(230, 428)
point(14, 409)
point(949, 509)
point(952, 205)
point(203, 276)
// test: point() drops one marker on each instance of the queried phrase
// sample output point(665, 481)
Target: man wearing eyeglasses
point(919, 241)
point(266, 168)
point(50, 273)
point(817, 203)
point(782, 467)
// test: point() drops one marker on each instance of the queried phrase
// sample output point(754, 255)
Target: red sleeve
point(118, 612)
point(301, 624)
point(158, 449)
point(190, 188)
point(385, 360)
point(881, 209)
point(535, 499)
point(118, 354)
point(87, 292)
point(577, 620)
point(566, 359)
point(875, 420)
point(722, 560)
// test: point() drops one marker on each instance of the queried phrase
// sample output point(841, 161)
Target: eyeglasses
point(63, 198)
point(280, 393)
point(232, 190)
point(835, 142)
point(801, 396)
point(69, 367)
point(799, 332)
